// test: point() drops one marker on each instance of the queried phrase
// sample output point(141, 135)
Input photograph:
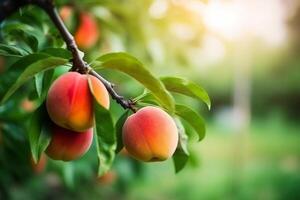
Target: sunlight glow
point(238, 18)
point(223, 18)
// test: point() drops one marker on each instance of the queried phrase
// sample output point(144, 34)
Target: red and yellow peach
point(150, 134)
point(70, 101)
point(68, 145)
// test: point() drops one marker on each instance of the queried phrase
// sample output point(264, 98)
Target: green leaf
point(39, 132)
point(183, 137)
point(60, 70)
point(187, 88)
point(134, 68)
point(20, 32)
point(181, 155)
point(48, 75)
point(38, 80)
point(9, 50)
point(58, 52)
point(105, 136)
point(119, 127)
point(43, 82)
point(193, 118)
point(25, 61)
point(31, 70)
point(180, 160)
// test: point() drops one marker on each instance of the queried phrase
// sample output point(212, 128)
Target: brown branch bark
point(7, 7)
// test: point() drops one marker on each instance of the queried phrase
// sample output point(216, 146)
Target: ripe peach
point(68, 145)
point(150, 134)
point(87, 33)
point(39, 167)
point(70, 102)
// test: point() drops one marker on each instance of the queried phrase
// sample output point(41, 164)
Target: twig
point(7, 7)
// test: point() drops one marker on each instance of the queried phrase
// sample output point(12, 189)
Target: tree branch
point(7, 7)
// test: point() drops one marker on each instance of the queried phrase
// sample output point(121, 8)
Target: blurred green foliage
point(264, 165)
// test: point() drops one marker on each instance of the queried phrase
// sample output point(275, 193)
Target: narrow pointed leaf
point(181, 155)
point(58, 52)
point(193, 118)
point(38, 81)
point(180, 160)
point(43, 82)
point(39, 132)
point(105, 136)
point(32, 70)
point(131, 66)
point(119, 127)
point(186, 87)
point(9, 50)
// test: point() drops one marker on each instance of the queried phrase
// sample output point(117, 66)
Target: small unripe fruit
point(27, 105)
point(70, 101)
point(40, 166)
point(68, 145)
point(65, 13)
point(150, 135)
point(108, 178)
point(87, 33)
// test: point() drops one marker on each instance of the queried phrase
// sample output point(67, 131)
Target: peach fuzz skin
point(87, 33)
point(150, 135)
point(68, 145)
point(70, 102)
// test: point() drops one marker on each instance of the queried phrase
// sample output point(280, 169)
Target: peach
point(87, 33)
point(150, 134)
point(70, 101)
point(68, 145)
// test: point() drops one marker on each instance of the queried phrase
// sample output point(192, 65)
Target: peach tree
point(72, 97)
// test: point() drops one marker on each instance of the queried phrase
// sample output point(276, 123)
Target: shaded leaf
point(31, 70)
point(193, 118)
point(104, 133)
point(48, 75)
point(134, 68)
point(39, 132)
point(25, 61)
point(43, 82)
point(183, 137)
point(21, 32)
point(38, 82)
point(119, 127)
point(9, 50)
point(180, 160)
point(58, 52)
point(187, 88)
point(181, 155)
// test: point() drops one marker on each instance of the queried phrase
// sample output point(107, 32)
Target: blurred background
point(244, 53)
